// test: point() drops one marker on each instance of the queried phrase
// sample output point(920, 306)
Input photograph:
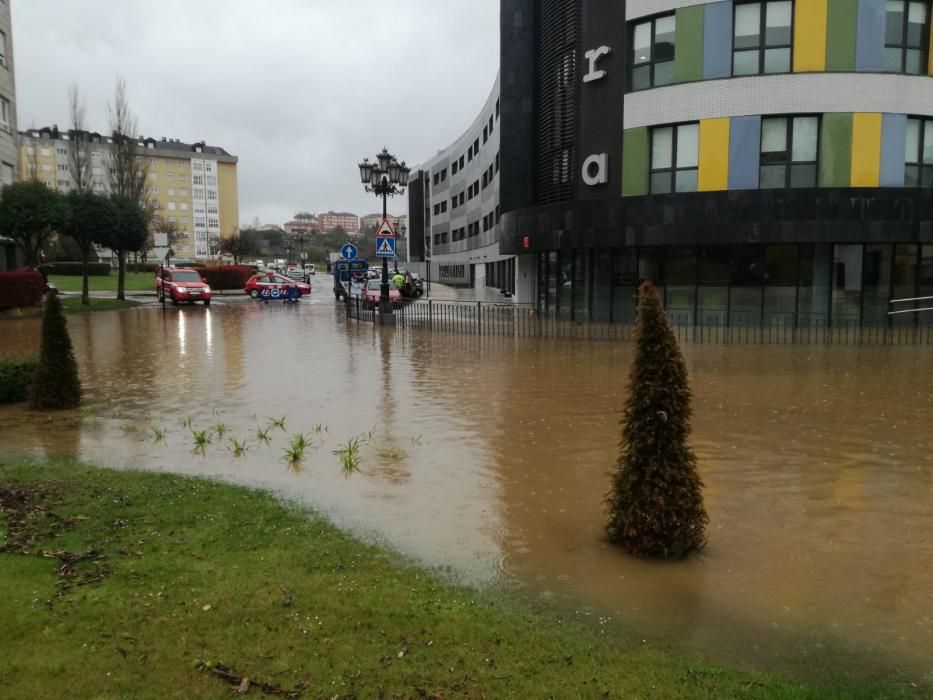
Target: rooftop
point(148, 142)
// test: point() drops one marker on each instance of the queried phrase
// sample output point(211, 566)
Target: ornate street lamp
point(385, 178)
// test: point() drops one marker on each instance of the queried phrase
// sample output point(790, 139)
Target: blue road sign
point(348, 252)
point(385, 247)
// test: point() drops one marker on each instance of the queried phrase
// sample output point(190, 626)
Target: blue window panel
point(893, 146)
point(744, 152)
point(869, 45)
point(717, 40)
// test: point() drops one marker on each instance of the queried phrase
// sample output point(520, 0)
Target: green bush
point(72, 269)
point(55, 384)
point(15, 378)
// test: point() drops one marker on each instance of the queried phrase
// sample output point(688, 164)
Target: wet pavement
point(488, 457)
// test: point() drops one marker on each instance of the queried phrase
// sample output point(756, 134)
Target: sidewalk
point(443, 292)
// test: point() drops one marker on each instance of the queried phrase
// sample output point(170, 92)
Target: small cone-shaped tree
point(655, 506)
point(55, 384)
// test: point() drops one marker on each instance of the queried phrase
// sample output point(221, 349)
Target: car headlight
point(207, 290)
point(181, 290)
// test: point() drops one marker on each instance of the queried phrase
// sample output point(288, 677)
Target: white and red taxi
point(182, 284)
point(271, 285)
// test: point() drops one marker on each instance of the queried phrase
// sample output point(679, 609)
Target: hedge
point(73, 269)
point(21, 288)
point(15, 378)
point(227, 276)
point(154, 266)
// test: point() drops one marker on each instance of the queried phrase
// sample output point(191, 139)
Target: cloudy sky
point(300, 90)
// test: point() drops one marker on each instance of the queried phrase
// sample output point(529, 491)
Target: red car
point(372, 293)
point(271, 285)
point(182, 284)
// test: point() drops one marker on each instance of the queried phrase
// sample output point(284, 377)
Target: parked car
point(309, 271)
point(182, 284)
point(275, 283)
point(372, 293)
point(295, 273)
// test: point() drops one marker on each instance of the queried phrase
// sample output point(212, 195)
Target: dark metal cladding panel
point(416, 229)
point(516, 91)
point(557, 38)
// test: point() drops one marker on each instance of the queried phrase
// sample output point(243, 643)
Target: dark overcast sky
point(300, 90)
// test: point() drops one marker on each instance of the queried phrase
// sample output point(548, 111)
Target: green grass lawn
point(128, 585)
point(135, 282)
point(73, 304)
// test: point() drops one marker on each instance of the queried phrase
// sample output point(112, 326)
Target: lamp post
point(385, 178)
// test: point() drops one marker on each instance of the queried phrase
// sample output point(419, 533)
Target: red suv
point(182, 284)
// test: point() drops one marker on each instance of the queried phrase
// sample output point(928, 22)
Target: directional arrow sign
point(385, 247)
point(385, 230)
point(348, 252)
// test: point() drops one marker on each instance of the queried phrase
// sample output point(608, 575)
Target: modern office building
point(763, 163)
point(192, 185)
point(9, 153)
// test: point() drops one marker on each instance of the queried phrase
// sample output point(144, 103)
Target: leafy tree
point(92, 218)
point(655, 506)
point(56, 384)
point(129, 233)
point(29, 212)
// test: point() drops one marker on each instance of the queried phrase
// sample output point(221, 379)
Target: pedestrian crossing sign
point(385, 247)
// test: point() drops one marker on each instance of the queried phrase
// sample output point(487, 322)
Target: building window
point(789, 147)
point(652, 56)
point(674, 158)
point(453, 203)
point(437, 178)
point(907, 37)
point(453, 168)
point(5, 115)
point(444, 207)
point(444, 175)
point(462, 200)
point(497, 108)
point(919, 155)
point(762, 37)
point(485, 134)
point(461, 162)
point(2, 49)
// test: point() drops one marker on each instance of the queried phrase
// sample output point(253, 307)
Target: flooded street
point(818, 463)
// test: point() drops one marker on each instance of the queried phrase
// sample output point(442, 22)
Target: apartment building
point(8, 150)
point(348, 222)
point(192, 185)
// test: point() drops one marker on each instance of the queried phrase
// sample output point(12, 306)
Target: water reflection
point(817, 463)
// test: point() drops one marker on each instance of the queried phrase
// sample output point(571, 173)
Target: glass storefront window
point(780, 301)
point(580, 285)
point(565, 284)
point(681, 272)
point(847, 285)
point(745, 278)
point(876, 289)
point(815, 284)
point(904, 283)
point(624, 286)
point(552, 284)
point(602, 284)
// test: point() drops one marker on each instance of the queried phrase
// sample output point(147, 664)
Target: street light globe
point(366, 171)
point(384, 158)
point(394, 172)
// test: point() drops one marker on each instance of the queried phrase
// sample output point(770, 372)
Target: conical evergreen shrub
point(655, 506)
point(56, 384)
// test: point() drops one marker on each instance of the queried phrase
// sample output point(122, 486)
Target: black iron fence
point(711, 326)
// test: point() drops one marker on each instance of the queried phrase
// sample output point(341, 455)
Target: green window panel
point(842, 30)
point(688, 59)
point(635, 162)
point(836, 150)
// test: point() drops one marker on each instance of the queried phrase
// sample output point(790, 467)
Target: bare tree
point(129, 174)
point(79, 159)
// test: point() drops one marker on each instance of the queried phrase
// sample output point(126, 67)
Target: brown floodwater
point(817, 462)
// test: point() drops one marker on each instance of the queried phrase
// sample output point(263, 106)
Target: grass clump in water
point(239, 448)
point(220, 429)
point(158, 434)
point(320, 607)
point(393, 454)
point(349, 455)
point(202, 438)
point(295, 452)
point(262, 435)
point(278, 423)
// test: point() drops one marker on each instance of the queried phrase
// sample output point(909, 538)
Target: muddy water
point(817, 462)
